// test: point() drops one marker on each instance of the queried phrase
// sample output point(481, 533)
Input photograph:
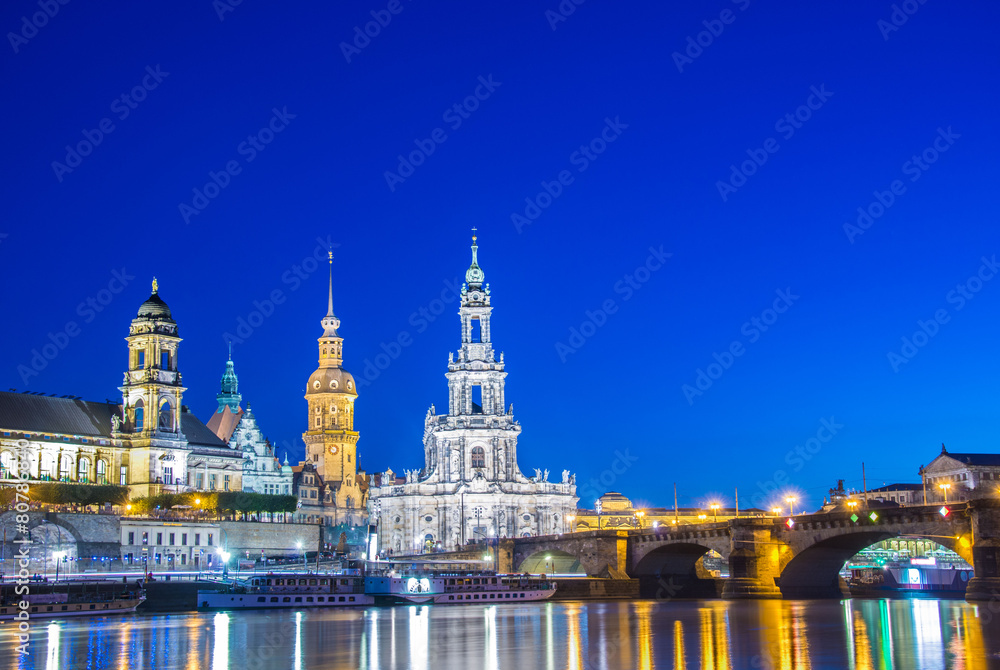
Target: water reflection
point(859, 635)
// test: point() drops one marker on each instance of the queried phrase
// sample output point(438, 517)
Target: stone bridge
point(767, 557)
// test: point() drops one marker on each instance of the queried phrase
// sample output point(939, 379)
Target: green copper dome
point(474, 276)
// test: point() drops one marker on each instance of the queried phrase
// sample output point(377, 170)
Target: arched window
point(83, 471)
point(139, 415)
point(102, 472)
point(349, 503)
point(166, 416)
point(65, 467)
point(478, 457)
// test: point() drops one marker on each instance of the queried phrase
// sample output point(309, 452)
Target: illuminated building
point(470, 488)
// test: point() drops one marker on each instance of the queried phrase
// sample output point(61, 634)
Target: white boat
point(69, 598)
point(444, 589)
point(285, 590)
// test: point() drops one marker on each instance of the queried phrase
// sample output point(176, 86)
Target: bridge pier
point(985, 516)
point(754, 562)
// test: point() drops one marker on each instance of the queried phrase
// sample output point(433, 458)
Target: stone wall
point(274, 538)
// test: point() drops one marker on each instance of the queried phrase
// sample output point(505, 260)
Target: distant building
point(613, 511)
point(262, 471)
point(964, 476)
point(471, 487)
point(901, 494)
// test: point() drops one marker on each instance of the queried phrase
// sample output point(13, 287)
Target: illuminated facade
point(470, 488)
point(329, 486)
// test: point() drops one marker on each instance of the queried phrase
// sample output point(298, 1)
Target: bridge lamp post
point(569, 521)
point(791, 505)
point(715, 511)
point(597, 508)
point(57, 556)
point(638, 518)
point(945, 487)
point(702, 516)
point(776, 511)
point(852, 505)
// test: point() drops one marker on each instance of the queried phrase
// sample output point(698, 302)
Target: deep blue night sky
point(880, 95)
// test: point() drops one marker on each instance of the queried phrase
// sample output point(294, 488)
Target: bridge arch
point(814, 572)
point(552, 561)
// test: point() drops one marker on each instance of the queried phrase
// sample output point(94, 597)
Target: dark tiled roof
point(975, 459)
point(198, 434)
point(26, 413)
point(897, 487)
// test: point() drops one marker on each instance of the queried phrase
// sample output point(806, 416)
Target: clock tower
point(330, 438)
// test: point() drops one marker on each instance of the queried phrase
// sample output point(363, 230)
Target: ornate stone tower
point(151, 399)
point(331, 441)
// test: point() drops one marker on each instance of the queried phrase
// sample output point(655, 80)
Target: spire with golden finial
point(474, 275)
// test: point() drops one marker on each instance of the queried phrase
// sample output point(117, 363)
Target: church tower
point(331, 441)
point(151, 399)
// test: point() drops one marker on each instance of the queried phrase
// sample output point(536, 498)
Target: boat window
point(477, 597)
point(298, 599)
point(522, 595)
point(351, 599)
point(451, 597)
point(493, 581)
point(49, 608)
point(278, 582)
point(274, 600)
point(64, 608)
point(312, 582)
point(286, 599)
point(302, 582)
point(341, 598)
point(320, 599)
point(261, 599)
point(322, 582)
point(343, 581)
point(475, 581)
point(309, 599)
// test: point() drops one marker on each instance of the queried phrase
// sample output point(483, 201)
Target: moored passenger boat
point(69, 598)
point(284, 590)
point(457, 588)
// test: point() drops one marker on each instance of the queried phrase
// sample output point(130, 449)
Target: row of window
point(171, 537)
point(492, 596)
point(309, 599)
point(27, 436)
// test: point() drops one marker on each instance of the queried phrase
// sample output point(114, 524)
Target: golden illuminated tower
point(331, 441)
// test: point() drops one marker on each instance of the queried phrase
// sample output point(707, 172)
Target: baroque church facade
point(471, 488)
point(150, 442)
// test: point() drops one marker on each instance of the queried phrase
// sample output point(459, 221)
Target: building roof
point(198, 434)
point(28, 413)
point(224, 422)
point(975, 459)
point(897, 487)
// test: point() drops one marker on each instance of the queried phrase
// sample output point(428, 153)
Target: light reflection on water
point(785, 635)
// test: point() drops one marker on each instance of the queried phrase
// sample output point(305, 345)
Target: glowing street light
point(852, 505)
point(945, 487)
point(638, 518)
point(715, 511)
point(791, 505)
point(58, 555)
point(702, 516)
point(776, 511)
point(569, 521)
point(298, 545)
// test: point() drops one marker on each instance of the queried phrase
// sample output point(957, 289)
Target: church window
point(168, 475)
point(478, 457)
point(65, 468)
point(225, 483)
point(477, 399)
point(141, 359)
point(166, 417)
point(199, 480)
point(165, 360)
point(316, 384)
point(350, 384)
point(139, 415)
point(476, 330)
point(83, 471)
point(428, 518)
point(211, 482)
point(333, 383)
point(123, 476)
point(319, 410)
point(102, 471)
point(349, 502)
point(318, 422)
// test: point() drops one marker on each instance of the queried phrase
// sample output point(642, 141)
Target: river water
point(854, 634)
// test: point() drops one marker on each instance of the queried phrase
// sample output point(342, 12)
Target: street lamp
point(569, 521)
point(298, 545)
point(57, 555)
point(715, 511)
point(638, 518)
point(224, 555)
point(597, 507)
point(702, 516)
point(128, 509)
point(776, 510)
point(945, 487)
point(852, 504)
point(791, 505)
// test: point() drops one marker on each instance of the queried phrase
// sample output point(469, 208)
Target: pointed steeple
point(229, 395)
point(330, 322)
point(474, 275)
